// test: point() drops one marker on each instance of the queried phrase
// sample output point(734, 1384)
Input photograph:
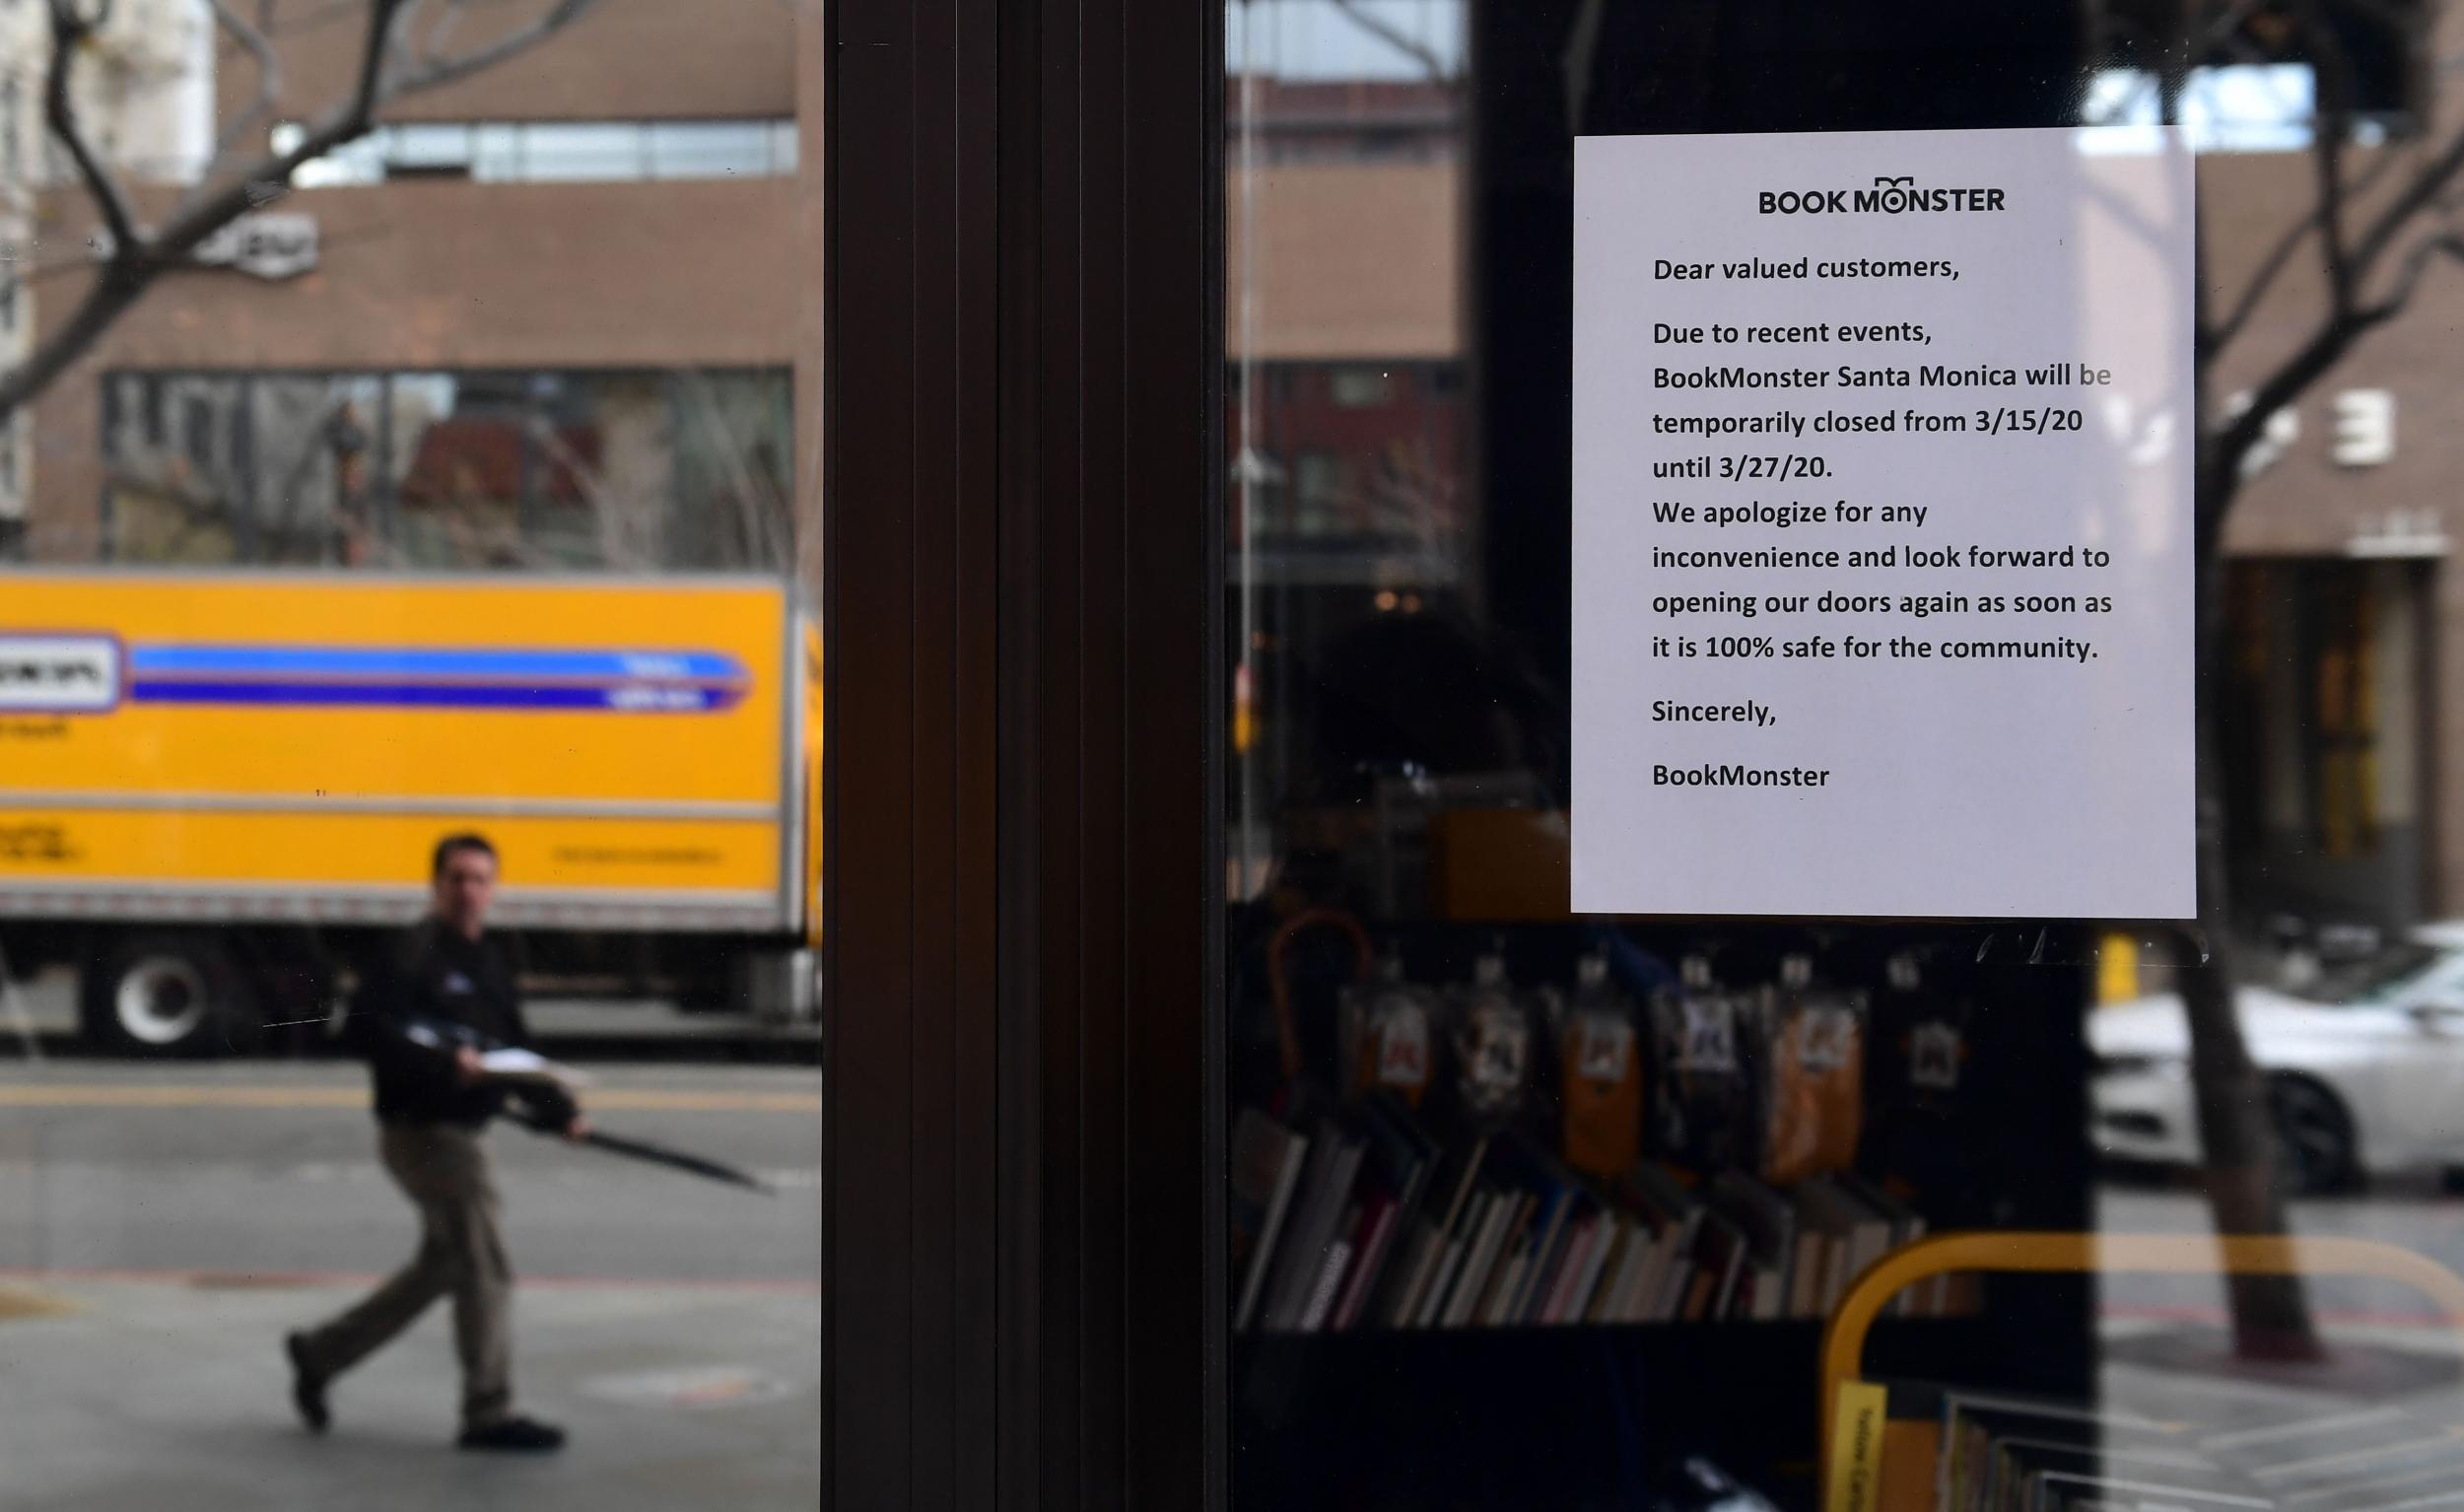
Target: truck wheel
point(167, 995)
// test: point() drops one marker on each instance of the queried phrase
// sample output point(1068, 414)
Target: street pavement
point(2375, 1425)
point(2411, 1214)
point(40, 1018)
point(161, 1226)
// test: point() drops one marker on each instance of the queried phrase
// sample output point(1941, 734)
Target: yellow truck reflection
point(215, 787)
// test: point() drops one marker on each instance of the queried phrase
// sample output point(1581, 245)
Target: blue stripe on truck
point(617, 681)
point(638, 698)
point(426, 662)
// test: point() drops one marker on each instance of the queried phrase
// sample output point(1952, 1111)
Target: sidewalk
point(142, 1393)
point(592, 1028)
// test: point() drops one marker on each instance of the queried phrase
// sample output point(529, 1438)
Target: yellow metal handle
point(1843, 1341)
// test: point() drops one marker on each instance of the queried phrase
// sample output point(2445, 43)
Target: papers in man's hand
point(515, 1064)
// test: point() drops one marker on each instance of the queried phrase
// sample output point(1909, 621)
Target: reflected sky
point(1319, 39)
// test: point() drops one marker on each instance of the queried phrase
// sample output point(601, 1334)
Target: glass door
point(1832, 789)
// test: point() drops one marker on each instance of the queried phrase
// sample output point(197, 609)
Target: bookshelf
point(1598, 1413)
point(1465, 1420)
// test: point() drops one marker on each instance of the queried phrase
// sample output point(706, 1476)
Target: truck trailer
point(220, 790)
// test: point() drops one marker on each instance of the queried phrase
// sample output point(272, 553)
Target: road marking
point(608, 1099)
point(701, 1386)
point(2217, 1317)
point(365, 1279)
point(225, 1279)
point(15, 1304)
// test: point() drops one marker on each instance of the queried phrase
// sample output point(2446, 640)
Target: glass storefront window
point(1533, 1206)
point(413, 866)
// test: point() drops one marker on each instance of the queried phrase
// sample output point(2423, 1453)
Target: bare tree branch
point(217, 204)
point(1409, 46)
point(70, 31)
point(2408, 281)
point(2351, 267)
point(138, 259)
point(2325, 347)
point(2424, 191)
point(383, 20)
point(2215, 337)
point(110, 297)
point(2336, 333)
point(442, 31)
point(434, 72)
point(2331, 126)
point(253, 40)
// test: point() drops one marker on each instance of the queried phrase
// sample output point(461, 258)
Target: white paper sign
point(1883, 573)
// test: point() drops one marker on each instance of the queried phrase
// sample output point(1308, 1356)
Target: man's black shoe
point(307, 1388)
point(520, 1435)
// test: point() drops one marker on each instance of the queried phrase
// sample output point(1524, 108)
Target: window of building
point(1375, 461)
point(1318, 490)
point(12, 133)
point(710, 148)
point(581, 151)
point(1356, 388)
point(553, 151)
point(197, 426)
point(440, 148)
point(2344, 708)
point(627, 471)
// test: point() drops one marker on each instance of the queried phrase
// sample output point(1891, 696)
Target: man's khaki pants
point(444, 1169)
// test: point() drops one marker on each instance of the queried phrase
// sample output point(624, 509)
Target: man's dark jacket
point(432, 991)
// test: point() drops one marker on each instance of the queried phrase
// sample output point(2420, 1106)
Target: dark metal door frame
point(1023, 577)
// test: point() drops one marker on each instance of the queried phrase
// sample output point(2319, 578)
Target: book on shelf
point(1621, 1239)
point(1265, 1166)
point(1371, 1239)
point(1675, 1215)
point(1852, 1236)
point(1628, 1272)
point(1578, 1274)
point(1767, 1221)
point(1460, 1241)
point(1324, 1191)
point(1432, 1230)
point(1987, 1449)
point(1708, 1275)
point(1396, 1170)
point(1509, 1213)
point(1999, 1451)
point(1905, 1226)
point(1497, 1307)
point(1460, 1249)
point(1358, 1218)
point(1330, 1268)
point(1551, 1192)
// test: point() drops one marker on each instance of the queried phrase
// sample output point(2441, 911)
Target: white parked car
point(2364, 1069)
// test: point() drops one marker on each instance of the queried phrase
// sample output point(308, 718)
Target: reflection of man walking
point(417, 1017)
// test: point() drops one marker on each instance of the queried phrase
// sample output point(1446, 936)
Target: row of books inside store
point(1958, 1450)
point(1590, 1190)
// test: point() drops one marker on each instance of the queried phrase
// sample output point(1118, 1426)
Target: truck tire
point(168, 994)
